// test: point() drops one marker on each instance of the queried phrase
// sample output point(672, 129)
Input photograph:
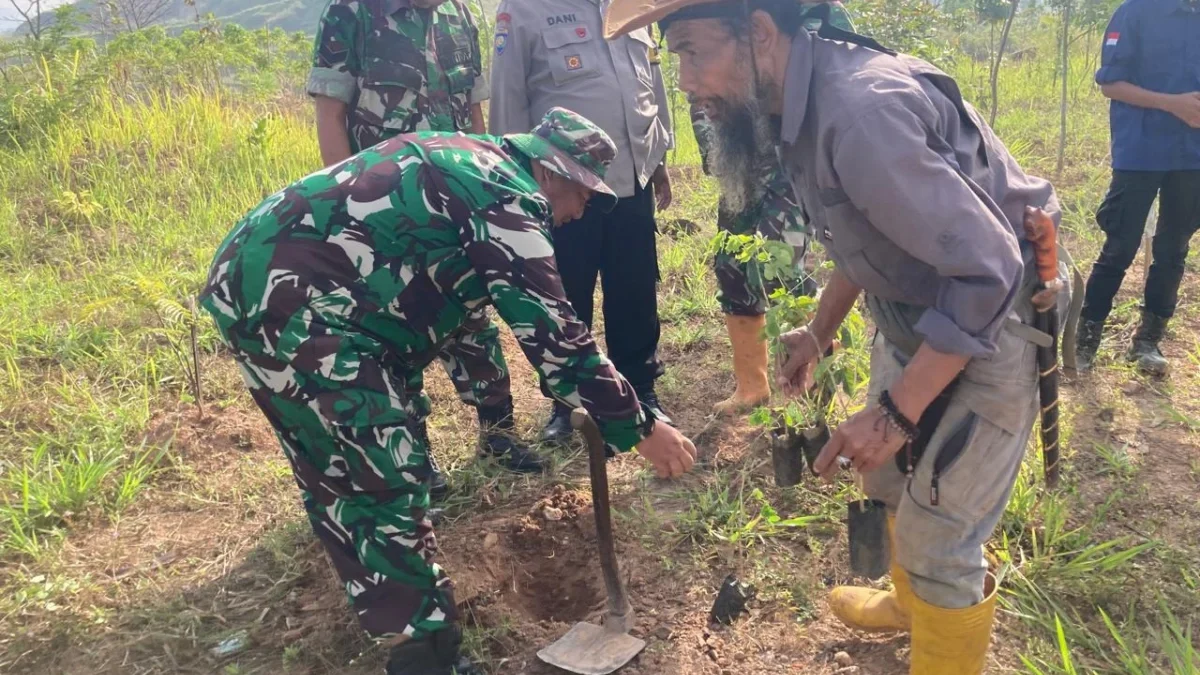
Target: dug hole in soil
point(536, 572)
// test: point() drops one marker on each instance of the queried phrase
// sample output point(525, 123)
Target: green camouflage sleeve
point(336, 63)
point(510, 248)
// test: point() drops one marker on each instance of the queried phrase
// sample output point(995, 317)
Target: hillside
point(290, 15)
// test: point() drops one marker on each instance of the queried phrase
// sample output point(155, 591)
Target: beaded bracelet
point(896, 417)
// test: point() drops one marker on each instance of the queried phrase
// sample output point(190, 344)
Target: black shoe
point(437, 654)
point(1145, 351)
point(558, 429)
point(650, 400)
point(1087, 343)
point(500, 440)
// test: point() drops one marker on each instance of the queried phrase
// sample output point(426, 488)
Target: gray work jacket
point(553, 53)
point(914, 197)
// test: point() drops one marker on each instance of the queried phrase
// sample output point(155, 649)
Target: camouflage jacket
point(403, 240)
point(399, 68)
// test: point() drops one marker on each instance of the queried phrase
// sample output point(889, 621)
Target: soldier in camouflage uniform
point(335, 291)
point(386, 67)
point(773, 213)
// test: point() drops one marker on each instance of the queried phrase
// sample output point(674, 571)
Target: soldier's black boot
point(438, 488)
point(500, 440)
point(1087, 343)
point(647, 396)
point(558, 429)
point(1145, 351)
point(437, 654)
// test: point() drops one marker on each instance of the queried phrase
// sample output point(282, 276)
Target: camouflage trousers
point(474, 362)
point(354, 434)
point(774, 214)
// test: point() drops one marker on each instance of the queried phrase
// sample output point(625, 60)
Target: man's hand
point(668, 451)
point(662, 187)
point(867, 439)
point(1186, 107)
point(801, 350)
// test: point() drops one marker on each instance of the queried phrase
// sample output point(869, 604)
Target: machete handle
point(1040, 231)
point(620, 612)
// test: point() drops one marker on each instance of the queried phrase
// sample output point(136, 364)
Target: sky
point(9, 18)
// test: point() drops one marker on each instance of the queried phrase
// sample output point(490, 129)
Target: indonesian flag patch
point(1111, 39)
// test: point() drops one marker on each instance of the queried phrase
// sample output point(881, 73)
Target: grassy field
point(150, 523)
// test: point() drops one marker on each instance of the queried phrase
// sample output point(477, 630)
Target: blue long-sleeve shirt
point(1154, 44)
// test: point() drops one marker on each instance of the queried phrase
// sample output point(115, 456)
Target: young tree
point(31, 12)
point(999, 56)
point(1066, 71)
point(125, 16)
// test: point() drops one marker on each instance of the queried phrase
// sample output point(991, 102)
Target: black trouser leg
point(1178, 220)
point(629, 277)
point(1122, 218)
point(576, 254)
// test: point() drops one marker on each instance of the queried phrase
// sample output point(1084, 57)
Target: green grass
point(114, 202)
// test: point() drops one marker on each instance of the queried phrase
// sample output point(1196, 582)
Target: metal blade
point(588, 649)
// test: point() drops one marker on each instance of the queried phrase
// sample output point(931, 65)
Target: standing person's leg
point(577, 246)
point(1122, 218)
point(475, 364)
point(1178, 220)
point(418, 401)
point(938, 567)
point(743, 289)
point(629, 278)
point(865, 608)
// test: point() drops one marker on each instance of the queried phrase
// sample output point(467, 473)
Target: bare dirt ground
point(220, 555)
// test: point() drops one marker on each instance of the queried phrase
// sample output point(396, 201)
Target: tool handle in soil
point(620, 612)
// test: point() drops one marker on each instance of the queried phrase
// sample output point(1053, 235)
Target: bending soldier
point(388, 67)
point(335, 291)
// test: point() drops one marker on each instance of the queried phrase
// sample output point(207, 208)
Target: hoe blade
point(588, 649)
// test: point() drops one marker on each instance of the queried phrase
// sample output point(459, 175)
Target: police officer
point(552, 54)
point(1149, 68)
point(386, 67)
point(335, 291)
point(918, 204)
point(767, 208)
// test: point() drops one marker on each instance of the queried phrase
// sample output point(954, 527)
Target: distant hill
point(290, 15)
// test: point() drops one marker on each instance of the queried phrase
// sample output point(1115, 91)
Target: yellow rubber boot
point(875, 611)
point(951, 641)
point(750, 358)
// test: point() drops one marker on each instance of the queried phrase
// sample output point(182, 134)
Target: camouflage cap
point(571, 146)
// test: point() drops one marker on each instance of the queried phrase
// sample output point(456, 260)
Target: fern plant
point(175, 324)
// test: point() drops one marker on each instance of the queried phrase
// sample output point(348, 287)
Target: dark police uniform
point(1154, 44)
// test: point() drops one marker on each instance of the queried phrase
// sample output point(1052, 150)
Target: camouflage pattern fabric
point(335, 293)
point(415, 70)
point(774, 213)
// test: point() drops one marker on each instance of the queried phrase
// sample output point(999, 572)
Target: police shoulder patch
point(503, 23)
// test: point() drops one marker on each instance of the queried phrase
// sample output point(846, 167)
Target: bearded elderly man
point(921, 206)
